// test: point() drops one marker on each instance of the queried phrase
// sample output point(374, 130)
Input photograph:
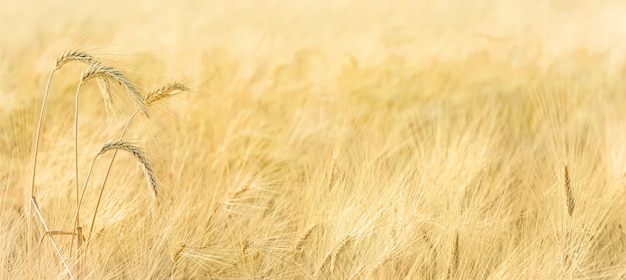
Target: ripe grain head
point(165, 91)
point(140, 155)
point(75, 55)
point(107, 74)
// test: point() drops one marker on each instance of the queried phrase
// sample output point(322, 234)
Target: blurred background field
point(328, 139)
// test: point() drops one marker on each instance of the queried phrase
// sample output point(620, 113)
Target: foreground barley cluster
point(362, 146)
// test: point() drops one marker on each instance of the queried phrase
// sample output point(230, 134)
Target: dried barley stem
point(454, 263)
point(106, 176)
point(569, 203)
point(118, 145)
point(76, 151)
point(103, 73)
point(80, 202)
point(163, 92)
point(35, 153)
point(67, 57)
point(333, 168)
point(54, 243)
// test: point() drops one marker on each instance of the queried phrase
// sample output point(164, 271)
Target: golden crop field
point(313, 139)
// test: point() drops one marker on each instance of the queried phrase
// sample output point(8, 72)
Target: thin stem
point(82, 195)
point(37, 137)
point(77, 221)
point(106, 176)
point(54, 243)
point(76, 143)
point(35, 152)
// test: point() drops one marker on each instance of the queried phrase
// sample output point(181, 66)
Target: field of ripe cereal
point(313, 139)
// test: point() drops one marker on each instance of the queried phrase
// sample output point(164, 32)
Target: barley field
point(313, 139)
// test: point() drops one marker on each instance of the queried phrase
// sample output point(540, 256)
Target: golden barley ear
point(75, 55)
point(342, 247)
point(107, 75)
point(141, 157)
point(330, 261)
point(569, 197)
point(166, 91)
point(304, 237)
point(177, 251)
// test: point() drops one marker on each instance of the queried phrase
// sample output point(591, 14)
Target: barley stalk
point(121, 145)
point(54, 243)
point(333, 167)
point(163, 92)
point(104, 74)
point(67, 57)
point(569, 197)
point(454, 262)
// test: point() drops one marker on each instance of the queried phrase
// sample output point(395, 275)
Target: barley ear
point(332, 256)
point(167, 90)
point(110, 74)
point(304, 237)
point(75, 55)
point(177, 251)
point(342, 247)
point(141, 157)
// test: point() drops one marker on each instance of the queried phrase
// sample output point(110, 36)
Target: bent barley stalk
point(54, 243)
point(78, 56)
point(104, 74)
point(166, 91)
point(117, 145)
point(569, 197)
point(454, 261)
